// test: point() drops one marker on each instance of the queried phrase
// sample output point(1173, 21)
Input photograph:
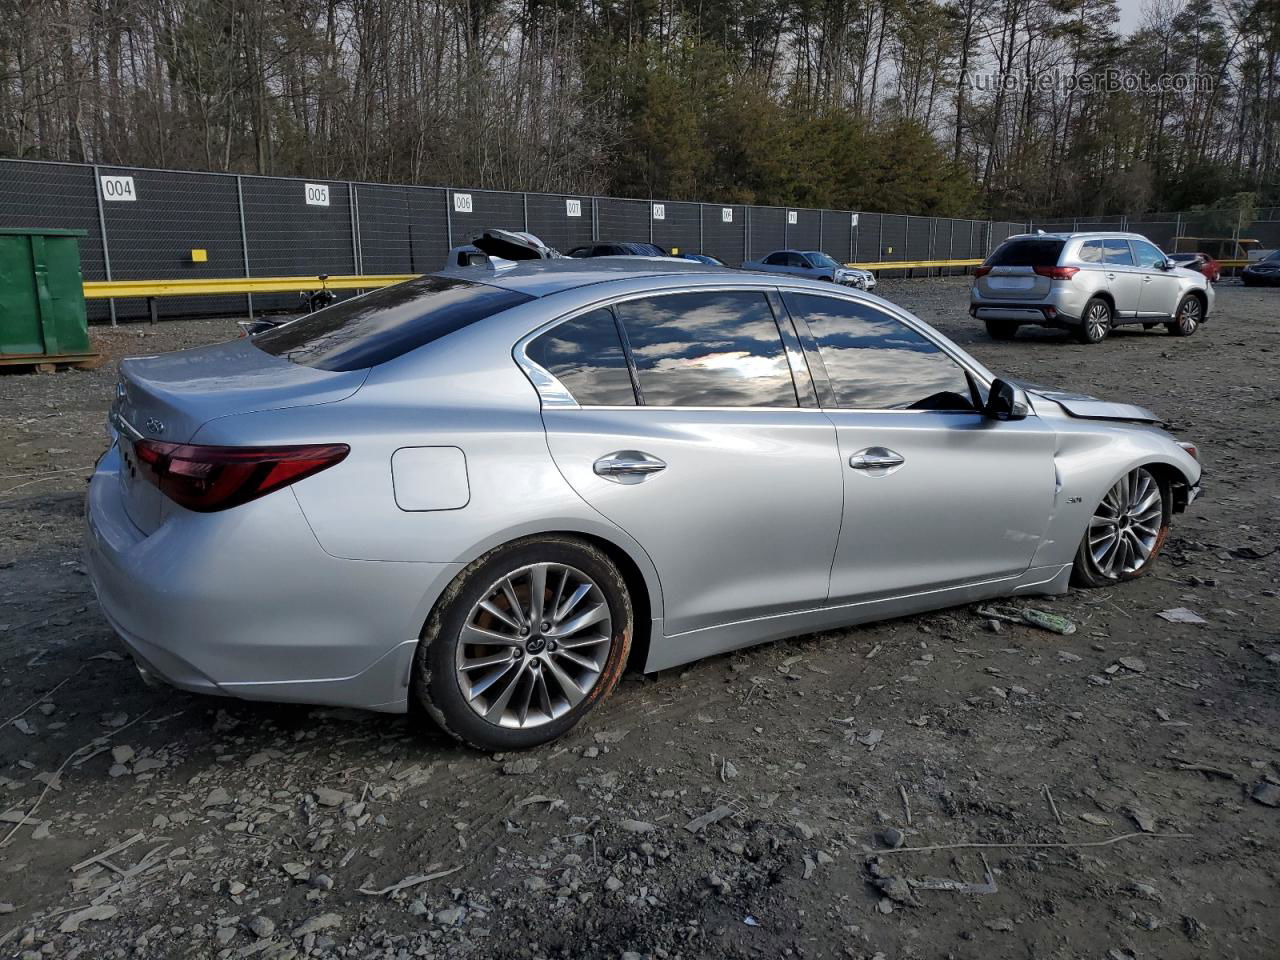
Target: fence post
point(853, 233)
point(821, 218)
point(244, 237)
point(102, 231)
point(595, 221)
point(357, 258)
point(448, 216)
point(702, 230)
point(746, 233)
point(880, 241)
point(524, 199)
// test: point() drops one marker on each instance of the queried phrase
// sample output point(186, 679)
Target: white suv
point(1087, 283)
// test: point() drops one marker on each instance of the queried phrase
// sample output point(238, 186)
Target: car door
point(694, 440)
point(1124, 280)
point(936, 495)
point(1160, 287)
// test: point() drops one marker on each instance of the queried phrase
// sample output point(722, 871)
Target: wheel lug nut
point(524, 631)
point(546, 627)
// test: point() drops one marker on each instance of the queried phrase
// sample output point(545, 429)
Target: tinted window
point(1117, 251)
point(1091, 252)
point(1034, 252)
point(713, 349)
point(1148, 254)
point(819, 259)
point(877, 362)
point(585, 354)
point(382, 325)
point(776, 259)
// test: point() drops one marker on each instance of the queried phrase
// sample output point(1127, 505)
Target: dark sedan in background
point(1264, 272)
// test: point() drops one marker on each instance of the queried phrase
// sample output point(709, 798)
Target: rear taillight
point(205, 479)
point(981, 271)
point(1057, 273)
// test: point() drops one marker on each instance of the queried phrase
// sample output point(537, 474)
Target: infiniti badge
point(155, 426)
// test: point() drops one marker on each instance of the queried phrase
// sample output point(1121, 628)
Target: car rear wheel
point(523, 643)
point(1188, 318)
point(1001, 329)
point(1095, 324)
point(1126, 531)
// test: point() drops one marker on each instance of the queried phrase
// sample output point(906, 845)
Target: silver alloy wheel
point(1098, 321)
point(1126, 526)
point(1189, 316)
point(534, 646)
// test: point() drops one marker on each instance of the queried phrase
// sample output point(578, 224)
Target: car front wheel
point(523, 643)
point(1126, 531)
point(1188, 318)
point(1095, 324)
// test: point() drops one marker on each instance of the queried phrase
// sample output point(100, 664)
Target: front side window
point(585, 354)
point(1117, 252)
point(707, 349)
point(819, 259)
point(877, 362)
point(776, 259)
point(382, 325)
point(1149, 256)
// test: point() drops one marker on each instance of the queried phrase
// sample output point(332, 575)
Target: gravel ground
point(139, 822)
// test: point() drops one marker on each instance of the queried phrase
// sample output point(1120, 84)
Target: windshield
point(382, 325)
point(820, 259)
point(1273, 255)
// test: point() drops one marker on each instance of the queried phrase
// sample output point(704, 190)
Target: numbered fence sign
point(462, 203)
point(317, 194)
point(853, 219)
point(726, 214)
point(793, 217)
point(659, 211)
point(572, 208)
point(118, 188)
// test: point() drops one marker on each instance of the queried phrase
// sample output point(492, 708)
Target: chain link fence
point(146, 224)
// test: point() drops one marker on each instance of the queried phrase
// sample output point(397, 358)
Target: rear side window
point(585, 354)
point(1034, 252)
point(1117, 251)
point(712, 349)
point(1091, 251)
point(877, 362)
point(382, 325)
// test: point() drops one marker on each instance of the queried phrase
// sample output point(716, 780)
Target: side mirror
point(1167, 265)
point(1005, 402)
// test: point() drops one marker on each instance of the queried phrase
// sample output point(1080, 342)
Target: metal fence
point(1181, 231)
point(144, 224)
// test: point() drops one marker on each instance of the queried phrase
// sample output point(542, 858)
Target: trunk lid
point(1014, 283)
point(171, 396)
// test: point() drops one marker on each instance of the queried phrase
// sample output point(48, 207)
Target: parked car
point(483, 495)
point(616, 248)
point(1087, 283)
point(704, 258)
point(815, 265)
point(1200, 263)
point(1264, 272)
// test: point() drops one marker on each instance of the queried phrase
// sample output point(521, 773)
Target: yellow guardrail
point(111, 289)
point(119, 289)
point(912, 264)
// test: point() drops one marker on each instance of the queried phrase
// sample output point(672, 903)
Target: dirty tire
point(1088, 571)
point(437, 683)
point(1189, 316)
point(1095, 322)
point(1001, 329)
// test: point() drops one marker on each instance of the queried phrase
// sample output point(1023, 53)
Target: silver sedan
point(487, 496)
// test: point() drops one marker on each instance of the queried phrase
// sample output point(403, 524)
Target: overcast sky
point(1130, 14)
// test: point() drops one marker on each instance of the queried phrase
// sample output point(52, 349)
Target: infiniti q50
point(484, 497)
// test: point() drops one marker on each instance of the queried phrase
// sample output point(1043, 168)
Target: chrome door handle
point(628, 466)
point(1111, 276)
point(876, 458)
point(1146, 279)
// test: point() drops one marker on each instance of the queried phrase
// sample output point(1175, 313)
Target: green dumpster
point(42, 318)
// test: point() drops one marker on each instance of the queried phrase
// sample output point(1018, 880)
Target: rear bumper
point(1019, 314)
point(245, 603)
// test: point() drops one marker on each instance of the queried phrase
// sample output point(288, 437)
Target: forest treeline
point(856, 104)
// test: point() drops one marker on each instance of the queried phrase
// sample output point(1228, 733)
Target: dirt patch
point(236, 830)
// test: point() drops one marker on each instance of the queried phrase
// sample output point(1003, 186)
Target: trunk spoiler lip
point(1082, 406)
